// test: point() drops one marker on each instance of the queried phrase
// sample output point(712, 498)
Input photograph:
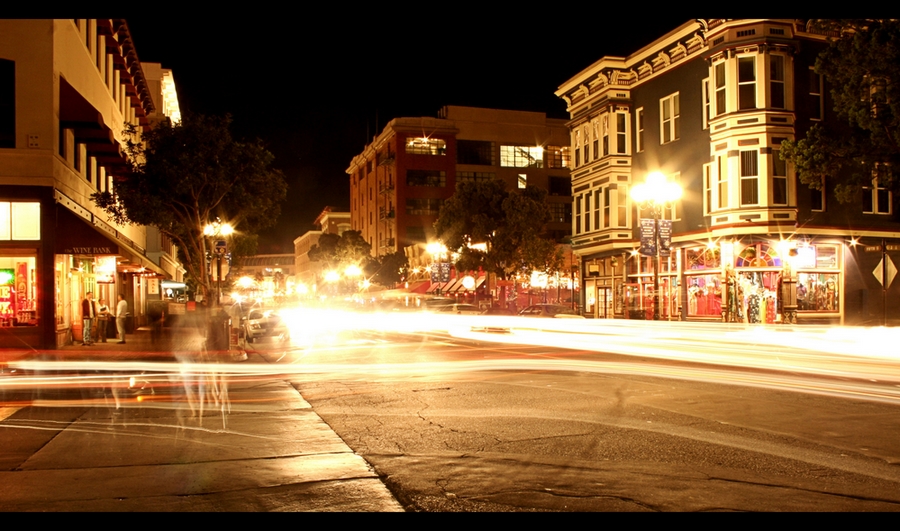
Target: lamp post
point(217, 230)
point(655, 193)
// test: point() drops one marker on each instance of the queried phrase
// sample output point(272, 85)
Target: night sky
point(317, 90)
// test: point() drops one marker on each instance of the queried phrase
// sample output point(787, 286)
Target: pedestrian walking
point(102, 320)
point(121, 312)
point(88, 314)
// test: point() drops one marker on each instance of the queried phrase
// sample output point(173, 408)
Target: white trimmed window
point(639, 126)
point(669, 112)
point(721, 90)
point(722, 183)
point(876, 199)
point(746, 83)
point(779, 180)
point(776, 82)
point(749, 177)
point(817, 108)
point(707, 108)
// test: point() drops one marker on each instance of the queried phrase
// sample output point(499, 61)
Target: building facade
point(398, 182)
point(66, 89)
point(708, 105)
point(308, 273)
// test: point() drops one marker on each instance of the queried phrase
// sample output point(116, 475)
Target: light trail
point(823, 360)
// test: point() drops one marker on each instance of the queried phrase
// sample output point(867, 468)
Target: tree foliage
point(182, 176)
point(509, 223)
point(861, 65)
point(388, 269)
point(338, 252)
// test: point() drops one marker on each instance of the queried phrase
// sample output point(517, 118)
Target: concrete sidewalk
point(263, 450)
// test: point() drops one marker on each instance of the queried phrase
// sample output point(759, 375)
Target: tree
point(862, 66)
point(182, 176)
point(341, 251)
point(508, 223)
point(388, 269)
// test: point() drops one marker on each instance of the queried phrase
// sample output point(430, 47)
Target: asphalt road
point(454, 425)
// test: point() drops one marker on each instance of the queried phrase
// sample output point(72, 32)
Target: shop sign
point(153, 286)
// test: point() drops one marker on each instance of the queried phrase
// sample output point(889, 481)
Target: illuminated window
point(20, 221)
point(669, 112)
point(426, 146)
point(522, 180)
point(521, 157)
point(557, 157)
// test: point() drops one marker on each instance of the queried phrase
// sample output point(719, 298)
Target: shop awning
point(78, 231)
point(435, 286)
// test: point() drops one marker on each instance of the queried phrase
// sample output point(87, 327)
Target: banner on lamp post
point(648, 237)
point(665, 237)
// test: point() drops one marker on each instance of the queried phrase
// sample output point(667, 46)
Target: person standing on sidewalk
point(88, 313)
point(102, 320)
point(121, 311)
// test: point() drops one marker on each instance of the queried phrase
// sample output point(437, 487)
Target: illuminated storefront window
point(20, 221)
point(18, 291)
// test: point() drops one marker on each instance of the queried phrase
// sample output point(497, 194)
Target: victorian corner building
point(708, 106)
point(66, 89)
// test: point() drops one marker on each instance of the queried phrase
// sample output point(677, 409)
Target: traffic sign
point(220, 247)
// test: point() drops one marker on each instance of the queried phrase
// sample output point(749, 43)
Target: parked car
point(264, 323)
point(550, 310)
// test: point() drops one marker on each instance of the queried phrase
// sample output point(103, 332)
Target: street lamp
point(217, 229)
point(655, 193)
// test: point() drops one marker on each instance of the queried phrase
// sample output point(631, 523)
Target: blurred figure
point(102, 320)
point(121, 312)
point(88, 314)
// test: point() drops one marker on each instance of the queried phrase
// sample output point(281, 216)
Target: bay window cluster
point(606, 134)
point(757, 80)
point(601, 208)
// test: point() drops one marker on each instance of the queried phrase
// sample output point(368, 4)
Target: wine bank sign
point(88, 249)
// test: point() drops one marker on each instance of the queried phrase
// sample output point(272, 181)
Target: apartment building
point(398, 182)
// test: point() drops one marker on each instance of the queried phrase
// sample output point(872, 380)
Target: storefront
point(749, 280)
point(53, 251)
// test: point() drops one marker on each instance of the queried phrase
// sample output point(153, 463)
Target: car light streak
point(847, 362)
